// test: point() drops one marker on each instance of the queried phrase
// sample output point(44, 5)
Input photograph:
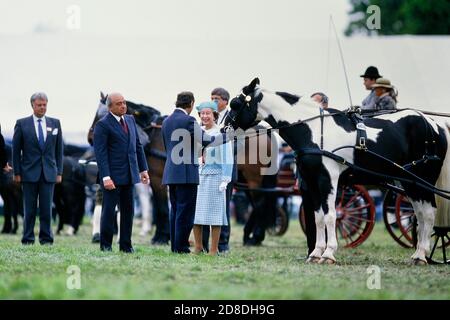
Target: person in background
point(320, 98)
point(214, 176)
point(38, 165)
point(386, 96)
point(370, 77)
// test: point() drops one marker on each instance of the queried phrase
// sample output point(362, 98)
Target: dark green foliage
point(402, 17)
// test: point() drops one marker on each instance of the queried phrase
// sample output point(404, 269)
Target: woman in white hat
point(214, 173)
point(386, 97)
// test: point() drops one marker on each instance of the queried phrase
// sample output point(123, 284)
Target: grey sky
point(179, 18)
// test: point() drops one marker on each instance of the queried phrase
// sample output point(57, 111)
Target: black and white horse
point(400, 138)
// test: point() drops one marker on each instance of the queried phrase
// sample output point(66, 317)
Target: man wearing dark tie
point(183, 139)
point(37, 164)
point(121, 164)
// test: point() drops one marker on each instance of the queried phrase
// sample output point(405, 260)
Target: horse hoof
point(327, 261)
point(96, 238)
point(313, 260)
point(419, 262)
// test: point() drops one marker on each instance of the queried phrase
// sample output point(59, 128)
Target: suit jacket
point(181, 168)
point(29, 160)
point(119, 155)
point(3, 155)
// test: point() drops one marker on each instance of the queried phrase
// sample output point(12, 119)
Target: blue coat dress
point(218, 167)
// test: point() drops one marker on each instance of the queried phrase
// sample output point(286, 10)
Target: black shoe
point(96, 238)
point(105, 248)
point(160, 241)
point(127, 250)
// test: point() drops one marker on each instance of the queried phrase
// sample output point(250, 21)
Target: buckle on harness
point(362, 143)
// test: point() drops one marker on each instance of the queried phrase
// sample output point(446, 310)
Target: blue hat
point(209, 104)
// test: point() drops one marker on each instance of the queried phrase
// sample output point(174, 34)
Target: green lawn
point(276, 270)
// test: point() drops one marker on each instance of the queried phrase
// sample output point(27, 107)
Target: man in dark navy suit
point(121, 164)
point(183, 139)
point(37, 163)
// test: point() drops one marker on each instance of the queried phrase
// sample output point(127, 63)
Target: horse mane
point(143, 114)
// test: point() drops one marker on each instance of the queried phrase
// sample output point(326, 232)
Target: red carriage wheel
point(355, 215)
point(404, 214)
point(398, 217)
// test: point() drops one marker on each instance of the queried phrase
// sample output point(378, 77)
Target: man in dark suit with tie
point(183, 139)
point(37, 164)
point(121, 164)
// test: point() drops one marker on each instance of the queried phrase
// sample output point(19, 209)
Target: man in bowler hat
point(370, 77)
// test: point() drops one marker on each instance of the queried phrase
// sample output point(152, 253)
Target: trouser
point(122, 196)
point(183, 199)
point(32, 191)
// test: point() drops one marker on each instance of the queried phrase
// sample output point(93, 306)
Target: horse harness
point(354, 113)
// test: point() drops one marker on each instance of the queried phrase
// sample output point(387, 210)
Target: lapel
point(224, 116)
point(32, 130)
point(49, 124)
point(116, 126)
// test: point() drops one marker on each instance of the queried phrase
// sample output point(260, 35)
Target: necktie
point(40, 134)
point(124, 126)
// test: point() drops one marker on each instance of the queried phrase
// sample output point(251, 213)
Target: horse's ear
point(253, 84)
point(102, 95)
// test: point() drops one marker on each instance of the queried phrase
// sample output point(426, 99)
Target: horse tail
point(443, 182)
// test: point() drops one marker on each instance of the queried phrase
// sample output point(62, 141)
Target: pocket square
point(55, 131)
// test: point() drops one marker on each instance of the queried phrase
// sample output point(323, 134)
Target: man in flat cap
point(370, 77)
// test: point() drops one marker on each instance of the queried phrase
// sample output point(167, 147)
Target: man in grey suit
point(37, 164)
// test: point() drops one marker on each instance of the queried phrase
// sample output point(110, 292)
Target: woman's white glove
point(223, 186)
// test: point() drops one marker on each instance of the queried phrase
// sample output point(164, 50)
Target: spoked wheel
point(281, 223)
point(355, 215)
point(399, 219)
point(440, 235)
point(398, 216)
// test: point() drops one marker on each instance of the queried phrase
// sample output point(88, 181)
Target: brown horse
point(257, 184)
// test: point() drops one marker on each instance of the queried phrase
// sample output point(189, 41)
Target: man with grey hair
point(37, 164)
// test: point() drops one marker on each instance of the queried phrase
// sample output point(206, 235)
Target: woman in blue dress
point(215, 171)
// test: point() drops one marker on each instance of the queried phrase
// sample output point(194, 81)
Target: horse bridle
point(245, 99)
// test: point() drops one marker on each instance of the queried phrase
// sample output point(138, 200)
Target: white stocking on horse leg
point(320, 238)
point(330, 223)
point(425, 213)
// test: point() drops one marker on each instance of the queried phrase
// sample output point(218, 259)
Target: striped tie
point(41, 134)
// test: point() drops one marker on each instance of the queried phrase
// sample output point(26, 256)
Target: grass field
point(276, 270)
